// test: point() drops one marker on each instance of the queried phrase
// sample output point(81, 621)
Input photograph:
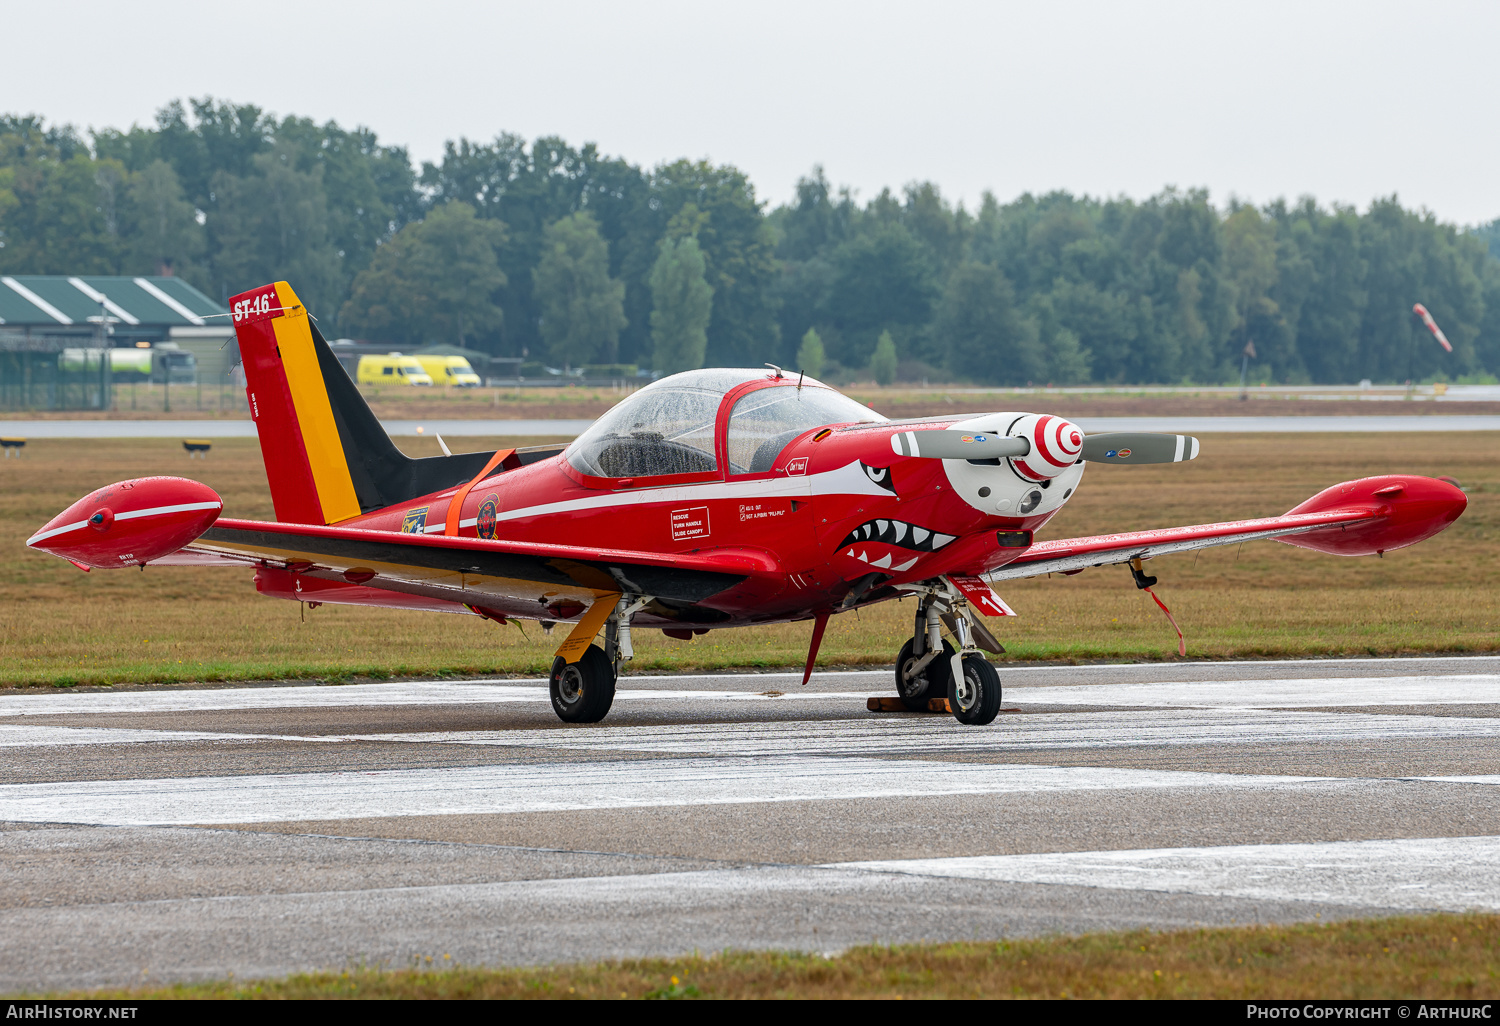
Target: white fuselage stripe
point(846, 480)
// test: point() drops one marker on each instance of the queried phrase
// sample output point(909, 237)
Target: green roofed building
point(51, 326)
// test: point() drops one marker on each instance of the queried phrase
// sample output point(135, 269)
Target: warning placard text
point(690, 523)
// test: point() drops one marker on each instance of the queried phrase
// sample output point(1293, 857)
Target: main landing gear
point(930, 667)
point(584, 689)
point(582, 692)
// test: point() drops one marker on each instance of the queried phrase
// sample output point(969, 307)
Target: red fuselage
point(798, 523)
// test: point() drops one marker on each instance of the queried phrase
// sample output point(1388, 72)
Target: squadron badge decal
point(484, 524)
point(414, 521)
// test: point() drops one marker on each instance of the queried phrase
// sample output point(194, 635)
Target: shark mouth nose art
point(896, 532)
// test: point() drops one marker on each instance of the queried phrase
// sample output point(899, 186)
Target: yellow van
point(449, 370)
point(394, 369)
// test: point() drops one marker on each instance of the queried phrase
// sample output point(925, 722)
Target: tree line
point(570, 257)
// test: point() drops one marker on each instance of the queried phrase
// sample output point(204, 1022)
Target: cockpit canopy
point(668, 427)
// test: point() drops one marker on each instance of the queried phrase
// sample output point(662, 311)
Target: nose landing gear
point(930, 667)
point(974, 697)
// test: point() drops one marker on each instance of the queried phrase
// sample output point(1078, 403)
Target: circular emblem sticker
point(1124, 453)
point(484, 524)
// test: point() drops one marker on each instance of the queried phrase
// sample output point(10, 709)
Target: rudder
point(327, 457)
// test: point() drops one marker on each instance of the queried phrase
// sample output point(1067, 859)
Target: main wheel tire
point(582, 692)
point(931, 683)
point(977, 701)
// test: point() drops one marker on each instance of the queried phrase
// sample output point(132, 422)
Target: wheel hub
point(570, 684)
point(966, 689)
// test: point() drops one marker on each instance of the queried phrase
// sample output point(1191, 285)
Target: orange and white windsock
point(1437, 333)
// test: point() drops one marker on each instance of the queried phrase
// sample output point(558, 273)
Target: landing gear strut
point(925, 662)
point(929, 667)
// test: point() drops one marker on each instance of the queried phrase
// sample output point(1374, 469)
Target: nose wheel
point(975, 697)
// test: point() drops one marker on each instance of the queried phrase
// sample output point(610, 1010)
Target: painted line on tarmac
point(910, 735)
point(1429, 689)
point(486, 790)
point(934, 734)
point(1404, 662)
point(357, 696)
point(1454, 873)
point(1426, 689)
point(25, 735)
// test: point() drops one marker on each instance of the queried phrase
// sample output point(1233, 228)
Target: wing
point(1074, 554)
point(1355, 518)
point(538, 581)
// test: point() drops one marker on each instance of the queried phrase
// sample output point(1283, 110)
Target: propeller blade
point(1138, 447)
point(943, 444)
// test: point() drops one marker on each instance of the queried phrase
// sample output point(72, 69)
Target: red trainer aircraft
point(709, 499)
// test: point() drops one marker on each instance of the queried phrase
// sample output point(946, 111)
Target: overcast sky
point(1344, 101)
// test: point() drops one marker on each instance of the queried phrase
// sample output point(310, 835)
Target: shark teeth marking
point(884, 562)
point(898, 533)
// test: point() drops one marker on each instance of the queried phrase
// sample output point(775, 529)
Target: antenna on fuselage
point(776, 369)
point(800, 374)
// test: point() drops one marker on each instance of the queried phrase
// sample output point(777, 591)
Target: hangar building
point(49, 323)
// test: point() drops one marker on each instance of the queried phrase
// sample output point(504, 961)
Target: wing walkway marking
point(1423, 873)
point(482, 790)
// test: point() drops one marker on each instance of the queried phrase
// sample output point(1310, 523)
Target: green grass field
point(1435, 957)
point(62, 627)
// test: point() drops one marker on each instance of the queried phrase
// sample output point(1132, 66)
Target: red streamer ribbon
point(1181, 642)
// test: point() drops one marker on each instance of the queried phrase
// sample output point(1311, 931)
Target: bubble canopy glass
point(667, 428)
point(766, 421)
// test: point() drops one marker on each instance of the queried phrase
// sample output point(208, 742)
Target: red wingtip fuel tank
point(130, 523)
point(1411, 509)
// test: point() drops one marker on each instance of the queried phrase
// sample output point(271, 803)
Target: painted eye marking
point(894, 532)
point(880, 476)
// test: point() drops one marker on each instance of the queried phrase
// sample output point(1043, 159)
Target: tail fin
point(327, 457)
